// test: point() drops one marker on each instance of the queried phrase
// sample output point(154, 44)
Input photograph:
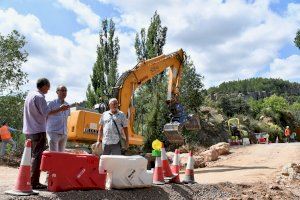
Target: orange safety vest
point(4, 132)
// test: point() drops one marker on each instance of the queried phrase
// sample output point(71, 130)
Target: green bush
point(273, 130)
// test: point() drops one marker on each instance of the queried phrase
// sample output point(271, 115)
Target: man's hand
point(64, 107)
point(98, 144)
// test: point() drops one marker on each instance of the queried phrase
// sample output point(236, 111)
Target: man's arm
point(41, 105)
point(12, 129)
point(100, 134)
point(63, 107)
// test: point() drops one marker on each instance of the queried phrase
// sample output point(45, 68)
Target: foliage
point(273, 130)
point(232, 104)
point(104, 76)
point(269, 85)
point(275, 103)
point(255, 106)
point(191, 89)
point(294, 109)
point(12, 56)
point(151, 44)
point(12, 109)
point(151, 108)
point(91, 97)
point(297, 39)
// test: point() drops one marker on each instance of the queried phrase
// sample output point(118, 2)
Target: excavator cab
point(179, 120)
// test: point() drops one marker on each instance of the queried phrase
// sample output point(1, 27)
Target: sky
point(226, 39)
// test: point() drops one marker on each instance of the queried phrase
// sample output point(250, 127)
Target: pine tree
point(104, 76)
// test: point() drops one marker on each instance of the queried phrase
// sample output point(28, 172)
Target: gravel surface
point(177, 192)
point(247, 173)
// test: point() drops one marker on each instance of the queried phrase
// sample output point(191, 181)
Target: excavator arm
point(140, 74)
point(83, 124)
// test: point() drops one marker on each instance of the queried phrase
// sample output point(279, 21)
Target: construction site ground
point(246, 173)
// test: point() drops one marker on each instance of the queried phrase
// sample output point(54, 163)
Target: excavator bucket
point(173, 130)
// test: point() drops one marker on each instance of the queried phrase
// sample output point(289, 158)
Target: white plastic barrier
point(126, 171)
point(246, 141)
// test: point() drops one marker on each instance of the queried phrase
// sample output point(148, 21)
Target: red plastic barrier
point(262, 140)
point(69, 171)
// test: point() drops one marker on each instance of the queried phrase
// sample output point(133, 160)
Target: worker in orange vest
point(5, 133)
point(287, 133)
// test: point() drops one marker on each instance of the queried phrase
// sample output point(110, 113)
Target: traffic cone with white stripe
point(158, 177)
point(189, 171)
point(175, 167)
point(168, 175)
point(23, 186)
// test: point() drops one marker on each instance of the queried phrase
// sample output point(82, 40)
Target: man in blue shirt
point(34, 126)
point(56, 127)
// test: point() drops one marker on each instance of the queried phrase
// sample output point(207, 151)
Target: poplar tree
point(104, 75)
point(150, 98)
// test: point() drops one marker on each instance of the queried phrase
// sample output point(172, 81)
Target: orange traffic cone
point(165, 165)
point(189, 171)
point(23, 186)
point(175, 167)
point(158, 177)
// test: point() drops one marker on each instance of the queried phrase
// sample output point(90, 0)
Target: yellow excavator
point(83, 124)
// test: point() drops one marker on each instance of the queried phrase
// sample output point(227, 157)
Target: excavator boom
point(83, 125)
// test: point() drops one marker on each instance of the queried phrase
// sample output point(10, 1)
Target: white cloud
point(55, 57)
point(84, 13)
point(232, 40)
point(288, 68)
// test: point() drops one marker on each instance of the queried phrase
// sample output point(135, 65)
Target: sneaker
point(39, 186)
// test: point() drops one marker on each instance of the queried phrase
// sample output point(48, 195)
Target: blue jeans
point(4, 143)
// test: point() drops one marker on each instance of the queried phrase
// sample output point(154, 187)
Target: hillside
point(267, 85)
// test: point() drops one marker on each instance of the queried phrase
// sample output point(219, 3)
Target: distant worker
point(34, 126)
point(177, 110)
point(287, 133)
point(5, 135)
point(56, 127)
point(293, 137)
point(113, 124)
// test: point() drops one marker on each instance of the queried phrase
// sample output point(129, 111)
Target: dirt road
point(250, 164)
point(247, 172)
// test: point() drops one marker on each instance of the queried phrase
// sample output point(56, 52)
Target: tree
point(275, 103)
point(12, 109)
point(297, 39)
point(191, 87)
point(12, 56)
point(232, 104)
point(104, 75)
point(150, 98)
